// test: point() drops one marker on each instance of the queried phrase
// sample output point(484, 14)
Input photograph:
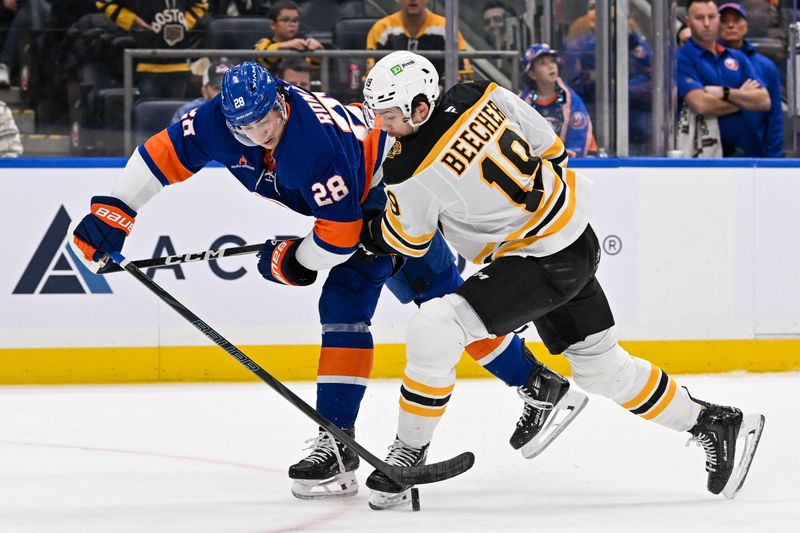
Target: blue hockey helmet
point(248, 93)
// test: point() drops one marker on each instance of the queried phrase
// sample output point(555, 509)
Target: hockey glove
point(277, 263)
point(371, 239)
point(102, 232)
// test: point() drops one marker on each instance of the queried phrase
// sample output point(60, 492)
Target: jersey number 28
point(332, 191)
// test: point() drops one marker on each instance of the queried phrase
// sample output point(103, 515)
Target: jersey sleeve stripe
point(396, 241)
point(163, 155)
point(373, 156)
point(152, 166)
point(439, 147)
point(397, 226)
point(556, 150)
point(342, 235)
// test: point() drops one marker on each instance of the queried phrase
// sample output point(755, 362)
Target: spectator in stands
point(766, 127)
point(284, 21)
point(579, 73)
point(496, 25)
point(684, 33)
point(583, 25)
point(717, 81)
point(296, 72)
point(29, 15)
point(212, 81)
point(10, 143)
point(555, 101)
point(158, 25)
point(417, 29)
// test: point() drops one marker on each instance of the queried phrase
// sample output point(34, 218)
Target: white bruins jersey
point(485, 170)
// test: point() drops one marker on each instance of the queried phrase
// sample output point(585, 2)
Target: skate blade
point(381, 501)
point(748, 439)
point(563, 414)
point(339, 486)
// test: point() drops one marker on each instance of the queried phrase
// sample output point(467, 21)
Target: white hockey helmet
point(397, 79)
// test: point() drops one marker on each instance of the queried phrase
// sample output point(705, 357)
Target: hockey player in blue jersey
point(317, 157)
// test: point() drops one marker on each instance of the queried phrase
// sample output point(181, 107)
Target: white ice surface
point(213, 458)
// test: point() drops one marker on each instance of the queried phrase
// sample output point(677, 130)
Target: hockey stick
point(413, 475)
point(170, 260)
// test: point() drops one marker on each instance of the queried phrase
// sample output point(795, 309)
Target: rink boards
point(700, 266)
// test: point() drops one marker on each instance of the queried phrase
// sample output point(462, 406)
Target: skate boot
point(549, 408)
point(386, 494)
point(327, 472)
point(717, 430)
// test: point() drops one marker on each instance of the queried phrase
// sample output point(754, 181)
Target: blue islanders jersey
point(324, 166)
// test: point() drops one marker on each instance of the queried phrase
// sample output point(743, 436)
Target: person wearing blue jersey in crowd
point(764, 134)
point(717, 81)
point(212, 81)
point(579, 73)
point(261, 129)
point(546, 92)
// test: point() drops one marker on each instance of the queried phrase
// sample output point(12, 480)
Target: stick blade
point(431, 473)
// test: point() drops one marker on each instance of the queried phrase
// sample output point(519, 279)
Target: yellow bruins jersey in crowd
point(486, 170)
point(168, 21)
point(390, 34)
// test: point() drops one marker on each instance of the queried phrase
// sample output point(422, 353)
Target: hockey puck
point(415, 499)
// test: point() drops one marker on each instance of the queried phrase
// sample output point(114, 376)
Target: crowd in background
point(66, 57)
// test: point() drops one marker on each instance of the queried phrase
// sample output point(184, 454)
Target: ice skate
point(386, 494)
point(549, 408)
point(327, 472)
point(720, 430)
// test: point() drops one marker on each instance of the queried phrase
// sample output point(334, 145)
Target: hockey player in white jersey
point(467, 163)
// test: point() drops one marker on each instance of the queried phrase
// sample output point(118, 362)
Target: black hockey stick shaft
point(171, 260)
point(402, 475)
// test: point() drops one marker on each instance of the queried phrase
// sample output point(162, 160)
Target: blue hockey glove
point(102, 232)
point(277, 263)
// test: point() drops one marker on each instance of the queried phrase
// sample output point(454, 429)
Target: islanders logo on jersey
point(731, 64)
point(578, 120)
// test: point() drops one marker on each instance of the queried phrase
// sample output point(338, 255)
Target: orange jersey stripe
point(345, 362)
point(163, 154)
point(341, 234)
point(371, 148)
point(416, 386)
point(646, 390)
point(480, 349)
point(420, 411)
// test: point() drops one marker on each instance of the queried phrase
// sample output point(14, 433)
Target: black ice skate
point(327, 472)
point(719, 430)
point(549, 408)
point(386, 494)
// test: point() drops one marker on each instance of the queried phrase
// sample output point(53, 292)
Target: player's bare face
point(393, 123)
point(267, 131)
